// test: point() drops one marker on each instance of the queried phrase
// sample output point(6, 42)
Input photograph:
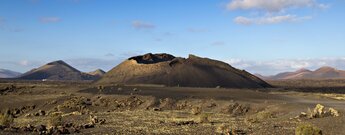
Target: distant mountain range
point(4, 73)
point(321, 73)
point(59, 70)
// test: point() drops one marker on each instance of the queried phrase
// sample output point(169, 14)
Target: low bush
point(307, 129)
point(6, 120)
point(55, 121)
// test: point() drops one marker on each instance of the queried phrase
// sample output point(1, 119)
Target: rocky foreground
point(45, 108)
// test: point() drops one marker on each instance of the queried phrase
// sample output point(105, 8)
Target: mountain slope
point(57, 70)
point(4, 73)
point(165, 69)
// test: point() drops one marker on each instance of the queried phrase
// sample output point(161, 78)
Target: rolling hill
point(321, 73)
point(4, 73)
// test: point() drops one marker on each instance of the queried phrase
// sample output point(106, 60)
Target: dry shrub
point(196, 110)
point(6, 120)
point(258, 117)
point(223, 128)
point(307, 129)
point(55, 121)
point(203, 118)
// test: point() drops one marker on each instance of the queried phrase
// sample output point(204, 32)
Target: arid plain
point(83, 108)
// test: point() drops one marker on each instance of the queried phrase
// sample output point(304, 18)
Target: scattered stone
point(100, 87)
point(102, 121)
point(28, 128)
point(236, 132)
point(93, 119)
point(41, 113)
point(68, 125)
point(63, 130)
point(52, 130)
point(74, 130)
point(88, 102)
point(302, 115)
point(211, 105)
point(56, 113)
point(41, 129)
point(36, 114)
point(71, 113)
point(11, 129)
point(28, 115)
point(318, 111)
point(52, 102)
point(156, 109)
point(182, 123)
point(196, 110)
point(333, 112)
point(89, 125)
point(236, 109)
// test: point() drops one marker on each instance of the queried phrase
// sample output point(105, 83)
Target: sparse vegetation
point(196, 110)
point(307, 129)
point(223, 128)
point(258, 117)
point(55, 120)
point(6, 120)
point(203, 118)
point(229, 111)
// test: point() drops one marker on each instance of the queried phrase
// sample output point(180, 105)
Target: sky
point(260, 36)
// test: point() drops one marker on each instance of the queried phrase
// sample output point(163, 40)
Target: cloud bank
point(283, 65)
point(272, 5)
point(272, 11)
point(270, 19)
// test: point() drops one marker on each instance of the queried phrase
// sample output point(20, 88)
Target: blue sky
point(260, 36)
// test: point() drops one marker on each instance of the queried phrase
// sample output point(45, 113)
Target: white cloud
point(142, 25)
point(323, 6)
point(270, 19)
point(272, 5)
point(243, 20)
point(283, 65)
point(273, 11)
point(50, 19)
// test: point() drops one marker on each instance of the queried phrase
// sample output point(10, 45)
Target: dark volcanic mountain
point(57, 70)
point(165, 69)
point(321, 73)
point(4, 73)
